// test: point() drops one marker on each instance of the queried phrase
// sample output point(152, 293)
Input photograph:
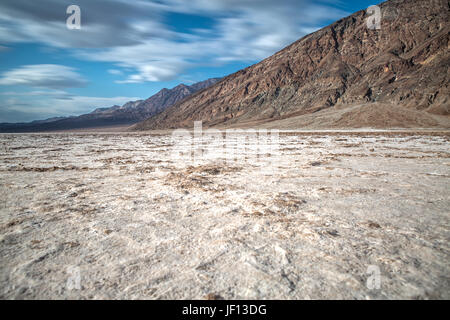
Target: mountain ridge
point(345, 64)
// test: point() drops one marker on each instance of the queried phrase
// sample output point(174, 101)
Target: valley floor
point(341, 215)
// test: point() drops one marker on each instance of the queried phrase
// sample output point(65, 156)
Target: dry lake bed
point(338, 215)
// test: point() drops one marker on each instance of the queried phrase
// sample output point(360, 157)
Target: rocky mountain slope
point(128, 114)
point(402, 67)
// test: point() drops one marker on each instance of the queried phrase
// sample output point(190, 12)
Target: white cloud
point(43, 76)
point(115, 72)
point(155, 60)
point(105, 23)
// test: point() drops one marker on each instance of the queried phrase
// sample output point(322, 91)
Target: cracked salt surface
point(137, 223)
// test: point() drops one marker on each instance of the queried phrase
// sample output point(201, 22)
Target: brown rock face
point(404, 64)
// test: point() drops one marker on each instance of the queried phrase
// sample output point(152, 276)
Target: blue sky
point(129, 50)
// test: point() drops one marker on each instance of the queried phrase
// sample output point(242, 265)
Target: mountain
point(130, 113)
point(166, 98)
point(344, 75)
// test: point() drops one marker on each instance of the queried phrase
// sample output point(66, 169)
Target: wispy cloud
point(115, 72)
point(105, 23)
point(135, 34)
point(43, 76)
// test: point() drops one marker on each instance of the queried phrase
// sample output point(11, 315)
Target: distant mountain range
point(344, 75)
point(130, 113)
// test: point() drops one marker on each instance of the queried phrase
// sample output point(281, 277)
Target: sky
point(129, 50)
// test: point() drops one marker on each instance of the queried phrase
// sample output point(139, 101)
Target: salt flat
point(104, 216)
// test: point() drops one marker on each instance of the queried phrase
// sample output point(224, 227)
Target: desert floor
point(126, 215)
